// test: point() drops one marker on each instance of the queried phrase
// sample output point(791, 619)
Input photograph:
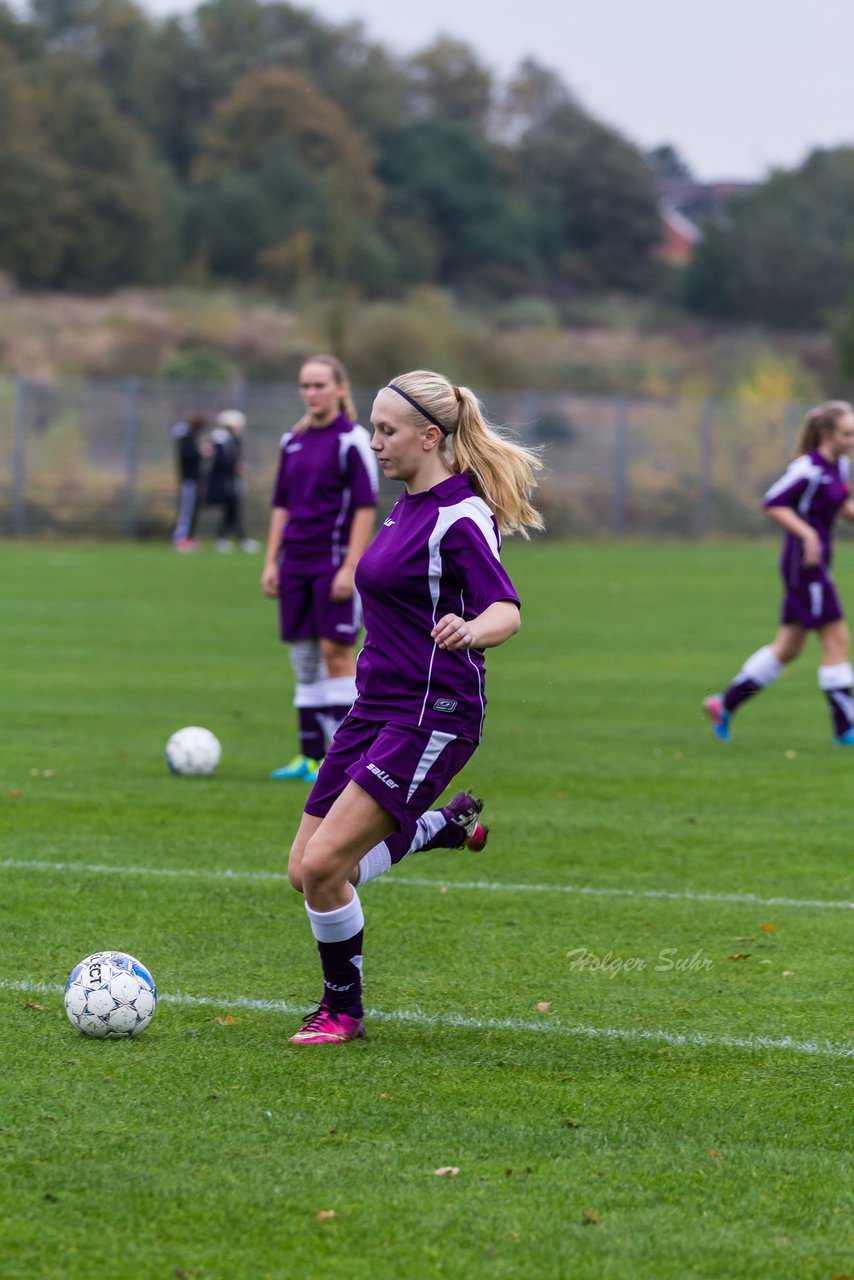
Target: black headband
point(391, 386)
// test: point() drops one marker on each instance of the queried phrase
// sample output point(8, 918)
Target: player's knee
point(295, 877)
point(320, 868)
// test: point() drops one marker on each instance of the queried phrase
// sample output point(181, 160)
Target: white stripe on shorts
point(435, 747)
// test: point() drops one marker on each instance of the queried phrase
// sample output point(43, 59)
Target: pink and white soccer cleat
point(719, 716)
point(463, 810)
point(328, 1026)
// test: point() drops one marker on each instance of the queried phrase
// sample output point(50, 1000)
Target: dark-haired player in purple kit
point(435, 595)
point(805, 501)
point(324, 501)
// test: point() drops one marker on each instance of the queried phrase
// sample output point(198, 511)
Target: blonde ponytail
point(819, 423)
point(502, 472)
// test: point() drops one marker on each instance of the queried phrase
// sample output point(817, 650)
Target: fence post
point(19, 457)
point(791, 422)
point(238, 394)
point(620, 466)
point(704, 486)
point(131, 454)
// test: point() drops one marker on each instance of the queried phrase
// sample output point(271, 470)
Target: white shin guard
point(762, 668)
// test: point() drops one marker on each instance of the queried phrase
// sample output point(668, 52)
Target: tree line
point(254, 142)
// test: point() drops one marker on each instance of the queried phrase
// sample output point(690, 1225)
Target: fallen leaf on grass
point(42, 1008)
point(714, 1154)
point(590, 1218)
point(790, 754)
point(740, 955)
point(446, 1168)
point(323, 1215)
point(788, 973)
point(544, 1005)
point(226, 1021)
point(443, 888)
point(768, 928)
point(48, 773)
point(13, 795)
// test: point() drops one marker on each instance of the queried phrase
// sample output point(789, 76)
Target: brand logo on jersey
point(293, 448)
point(445, 704)
point(383, 776)
point(344, 626)
point(388, 522)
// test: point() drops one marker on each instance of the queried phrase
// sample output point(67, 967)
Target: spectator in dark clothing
point(188, 461)
point(225, 481)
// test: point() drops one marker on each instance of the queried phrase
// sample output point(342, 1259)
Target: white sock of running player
point(836, 682)
point(759, 670)
point(384, 855)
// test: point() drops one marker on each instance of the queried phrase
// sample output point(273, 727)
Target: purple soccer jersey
point(816, 489)
point(437, 553)
point(324, 474)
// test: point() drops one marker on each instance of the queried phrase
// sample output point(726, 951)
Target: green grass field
point(627, 1024)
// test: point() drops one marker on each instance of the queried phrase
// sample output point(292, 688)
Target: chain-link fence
point(96, 457)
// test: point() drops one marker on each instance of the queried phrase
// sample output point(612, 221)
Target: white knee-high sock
point(380, 859)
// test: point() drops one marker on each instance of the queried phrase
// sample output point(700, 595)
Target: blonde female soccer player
point(435, 596)
point(805, 502)
point(323, 503)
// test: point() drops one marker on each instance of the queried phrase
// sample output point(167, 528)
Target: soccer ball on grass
point(193, 751)
point(110, 996)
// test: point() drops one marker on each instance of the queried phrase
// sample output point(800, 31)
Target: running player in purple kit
point(324, 501)
point(435, 595)
point(806, 501)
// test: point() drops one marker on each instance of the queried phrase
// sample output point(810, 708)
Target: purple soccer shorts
point(306, 611)
point(403, 768)
point(811, 600)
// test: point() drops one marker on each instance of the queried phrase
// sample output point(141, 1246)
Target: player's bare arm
point(790, 520)
point(360, 535)
point(270, 574)
point(492, 627)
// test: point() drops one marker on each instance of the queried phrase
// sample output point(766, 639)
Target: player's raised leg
point(759, 670)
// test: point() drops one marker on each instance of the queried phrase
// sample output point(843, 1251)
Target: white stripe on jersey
point(472, 508)
point(803, 468)
point(358, 439)
point(435, 747)
point(469, 509)
point(285, 438)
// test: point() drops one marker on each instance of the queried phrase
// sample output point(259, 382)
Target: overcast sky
point(739, 86)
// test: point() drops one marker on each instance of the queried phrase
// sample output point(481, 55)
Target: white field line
point(678, 1039)
point(416, 882)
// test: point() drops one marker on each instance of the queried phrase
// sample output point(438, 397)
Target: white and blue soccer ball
point(110, 995)
point(193, 751)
